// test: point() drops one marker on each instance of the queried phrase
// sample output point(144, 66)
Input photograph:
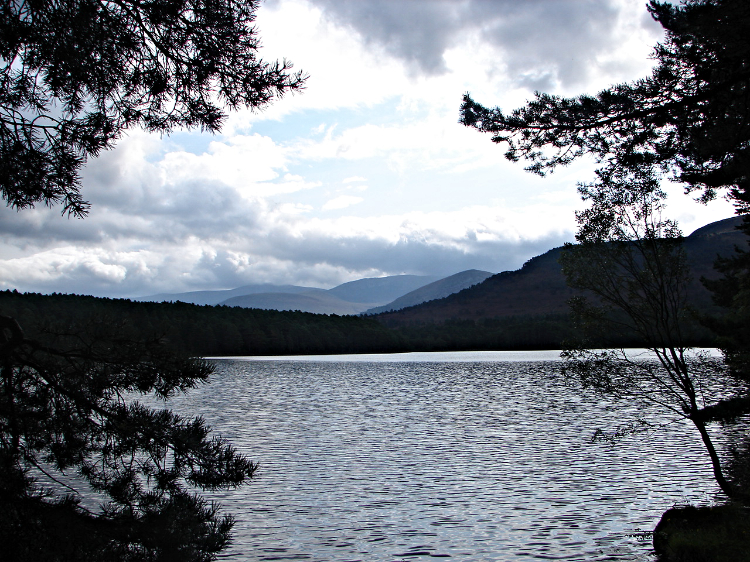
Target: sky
point(365, 173)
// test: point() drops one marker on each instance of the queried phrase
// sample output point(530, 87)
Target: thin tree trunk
point(725, 486)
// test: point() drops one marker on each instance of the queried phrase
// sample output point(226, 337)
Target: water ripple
point(411, 461)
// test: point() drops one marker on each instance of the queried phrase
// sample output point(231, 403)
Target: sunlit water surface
point(474, 457)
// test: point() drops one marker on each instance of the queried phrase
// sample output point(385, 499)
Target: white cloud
point(343, 72)
point(248, 163)
point(353, 179)
point(341, 202)
point(379, 114)
point(66, 263)
point(360, 54)
point(432, 143)
point(265, 249)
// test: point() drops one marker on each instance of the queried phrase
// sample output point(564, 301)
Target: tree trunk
point(725, 486)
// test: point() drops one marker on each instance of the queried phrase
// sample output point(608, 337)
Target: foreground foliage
point(74, 76)
point(689, 121)
point(72, 429)
point(690, 118)
point(732, 293)
point(704, 534)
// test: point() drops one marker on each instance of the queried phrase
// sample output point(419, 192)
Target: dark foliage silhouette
point(77, 73)
point(690, 118)
point(689, 121)
point(71, 426)
point(631, 265)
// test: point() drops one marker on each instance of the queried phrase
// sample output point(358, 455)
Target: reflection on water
point(415, 357)
point(478, 461)
point(451, 356)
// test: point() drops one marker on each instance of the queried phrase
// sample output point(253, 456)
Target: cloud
point(210, 247)
point(543, 41)
point(213, 239)
point(416, 31)
point(343, 72)
point(276, 197)
point(488, 238)
point(400, 144)
point(341, 202)
point(250, 163)
point(422, 55)
point(69, 269)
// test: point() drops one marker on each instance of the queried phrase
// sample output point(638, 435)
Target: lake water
point(476, 457)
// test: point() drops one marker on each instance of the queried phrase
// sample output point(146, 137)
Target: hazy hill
point(216, 297)
point(435, 290)
point(539, 288)
point(353, 297)
point(315, 302)
point(380, 290)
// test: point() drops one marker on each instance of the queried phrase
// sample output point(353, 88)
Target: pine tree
point(76, 74)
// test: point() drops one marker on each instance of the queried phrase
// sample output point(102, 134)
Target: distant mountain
point(435, 290)
point(380, 290)
point(539, 287)
point(216, 297)
point(716, 238)
point(353, 297)
point(317, 302)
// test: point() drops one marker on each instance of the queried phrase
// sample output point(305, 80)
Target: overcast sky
point(366, 173)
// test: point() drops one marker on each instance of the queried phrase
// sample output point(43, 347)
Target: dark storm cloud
point(540, 40)
point(415, 31)
point(548, 39)
point(412, 253)
point(170, 215)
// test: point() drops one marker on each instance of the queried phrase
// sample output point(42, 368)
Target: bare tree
point(630, 262)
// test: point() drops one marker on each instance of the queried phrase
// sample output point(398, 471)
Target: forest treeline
point(203, 330)
point(232, 331)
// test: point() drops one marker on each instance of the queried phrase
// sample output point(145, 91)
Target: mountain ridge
point(435, 290)
point(538, 288)
point(304, 302)
point(352, 297)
